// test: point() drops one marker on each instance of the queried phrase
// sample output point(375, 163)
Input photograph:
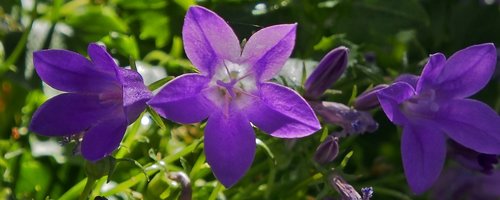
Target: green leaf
point(126, 45)
point(95, 19)
point(155, 25)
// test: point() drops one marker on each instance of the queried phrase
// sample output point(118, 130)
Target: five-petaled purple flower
point(435, 105)
point(101, 99)
point(232, 91)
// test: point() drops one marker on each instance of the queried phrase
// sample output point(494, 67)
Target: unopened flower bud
point(329, 70)
point(327, 151)
point(351, 120)
point(368, 99)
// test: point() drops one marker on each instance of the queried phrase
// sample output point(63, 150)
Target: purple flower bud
point(329, 70)
point(351, 120)
point(368, 99)
point(345, 190)
point(327, 151)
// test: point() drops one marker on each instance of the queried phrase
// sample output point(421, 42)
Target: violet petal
point(431, 72)
point(472, 124)
point(135, 94)
point(68, 114)
point(229, 146)
point(467, 71)
point(269, 48)
point(208, 40)
point(68, 71)
point(281, 112)
point(102, 139)
point(182, 99)
point(390, 99)
point(102, 60)
point(423, 149)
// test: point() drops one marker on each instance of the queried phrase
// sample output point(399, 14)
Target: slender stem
point(73, 192)
point(88, 188)
point(21, 45)
point(216, 191)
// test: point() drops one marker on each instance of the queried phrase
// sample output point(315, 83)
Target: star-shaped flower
point(101, 99)
point(232, 91)
point(435, 106)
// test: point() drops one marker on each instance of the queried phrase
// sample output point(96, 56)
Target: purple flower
point(232, 91)
point(329, 70)
point(327, 151)
point(101, 99)
point(436, 107)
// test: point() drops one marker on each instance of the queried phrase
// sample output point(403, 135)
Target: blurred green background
point(385, 37)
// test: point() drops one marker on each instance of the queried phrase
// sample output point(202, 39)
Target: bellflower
point(435, 106)
point(232, 91)
point(101, 99)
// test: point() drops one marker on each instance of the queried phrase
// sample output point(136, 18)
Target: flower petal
point(208, 39)
point(423, 149)
point(466, 72)
point(102, 60)
point(135, 94)
point(281, 112)
point(229, 146)
point(408, 78)
point(472, 124)
point(432, 71)
point(182, 100)
point(390, 99)
point(102, 139)
point(71, 72)
point(68, 114)
point(269, 48)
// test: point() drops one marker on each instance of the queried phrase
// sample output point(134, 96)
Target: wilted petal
point(466, 72)
point(135, 94)
point(103, 138)
point(269, 48)
point(281, 112)
point(472, 124)
point(423, 148)
point(390, 99)
point(208, 39)
point(69, 114)
point(71, 72)
point(229, 146)
point(182, 99)
point(102, 60)
point(432, 71)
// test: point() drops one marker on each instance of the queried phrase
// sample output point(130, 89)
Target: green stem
point(216, 191)
point(74, 191)
point(88, 188)
point(21, 45)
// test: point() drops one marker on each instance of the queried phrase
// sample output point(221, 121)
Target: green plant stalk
point(74, 191)
point(215, 192)
point(21, 45)
point(88, 188)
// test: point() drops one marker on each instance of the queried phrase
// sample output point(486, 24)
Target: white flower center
point(234, 84)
